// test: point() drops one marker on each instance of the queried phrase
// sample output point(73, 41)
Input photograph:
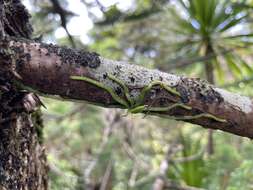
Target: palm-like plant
point(215, 29)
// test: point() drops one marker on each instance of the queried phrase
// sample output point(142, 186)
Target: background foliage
point(95, 148)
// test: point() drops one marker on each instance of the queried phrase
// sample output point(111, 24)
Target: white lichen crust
point(132, 75)
point(243, 103)
point(137, 76)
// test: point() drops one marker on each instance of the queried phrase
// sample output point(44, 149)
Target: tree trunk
point(209, 70)
point(22, 156)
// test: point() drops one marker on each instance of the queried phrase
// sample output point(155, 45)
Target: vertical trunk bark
point(22, 157)
point(210, 78)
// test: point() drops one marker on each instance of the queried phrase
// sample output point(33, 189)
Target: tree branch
point(49, 70)
point(63, 15)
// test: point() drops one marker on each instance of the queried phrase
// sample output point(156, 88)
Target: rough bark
point(22, 156)
point(47, 69)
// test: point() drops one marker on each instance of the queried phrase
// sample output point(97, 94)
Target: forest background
point(96, 148)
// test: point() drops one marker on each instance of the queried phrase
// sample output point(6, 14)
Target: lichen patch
point(139, 76)
point(73, 56)
point(243, 103)
point(199, 89)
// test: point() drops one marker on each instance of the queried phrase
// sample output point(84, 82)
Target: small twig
point(111, 121)
point(189, 158)
point(101, 7)
point(107, 177)
point(160, 183)
point(63, 15)
point(59, 118)
point(133, 176)
point(131, 154)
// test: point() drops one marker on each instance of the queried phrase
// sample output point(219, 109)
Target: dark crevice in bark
point(15, 19)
